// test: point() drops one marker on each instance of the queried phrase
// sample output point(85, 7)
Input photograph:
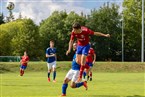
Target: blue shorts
point(23, 67)
point(90, 64)
point(83, 49)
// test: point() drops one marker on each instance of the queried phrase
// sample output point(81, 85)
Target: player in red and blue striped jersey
point(72, 76)
point(24, 61)
point(90, 60)
point(51, 60)
point(82, 34)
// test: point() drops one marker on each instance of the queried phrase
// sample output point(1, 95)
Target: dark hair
point(52, 41)
point(76, 25)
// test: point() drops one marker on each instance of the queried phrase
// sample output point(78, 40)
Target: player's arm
point(101, 34)
point(70, 47)
point(53, 55)
point(94, 57)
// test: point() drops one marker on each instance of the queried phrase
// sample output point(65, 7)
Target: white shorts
point(51, 65)
point(72, 75)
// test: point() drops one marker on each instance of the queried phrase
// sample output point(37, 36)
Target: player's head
point(74, 46)
point(25, 53)
point(76, 28)
point(51, 43)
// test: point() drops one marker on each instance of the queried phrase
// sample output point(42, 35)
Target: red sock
point(90, 74)
point(21, 73)
point(81, 71)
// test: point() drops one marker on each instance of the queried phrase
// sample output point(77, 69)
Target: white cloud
point(38, 10)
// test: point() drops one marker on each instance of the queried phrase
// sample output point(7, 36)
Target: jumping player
point(82, 34)
point(72, 76)
point(90, 60)
point(24, 61)
point(51, 60)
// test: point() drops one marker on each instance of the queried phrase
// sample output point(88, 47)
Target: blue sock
point(64, 87)
point(48, 74)
point(84, 74)
point(54, 75)
point(79, 84)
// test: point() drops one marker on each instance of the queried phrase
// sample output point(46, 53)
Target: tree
point(106, 20)
point(1, 18)
point(132, 20)
point(19, 36)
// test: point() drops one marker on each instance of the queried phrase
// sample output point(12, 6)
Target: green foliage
point(19, 36)
point(132, 20)
point(106, 20)
point(1, 18)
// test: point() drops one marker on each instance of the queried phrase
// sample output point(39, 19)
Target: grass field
point(34, 84)
point(110, 79)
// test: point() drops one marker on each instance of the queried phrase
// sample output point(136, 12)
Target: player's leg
point(21, 72)
point(54, 71)
point(90, 73)
point(68, 77)
point(23, 69)
point(74, 83)
point(79, 54)
point(49, 71)
point(83, 60)
point(84, 74)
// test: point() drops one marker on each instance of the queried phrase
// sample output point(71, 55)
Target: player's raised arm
point(70, 47)
point(101, 34)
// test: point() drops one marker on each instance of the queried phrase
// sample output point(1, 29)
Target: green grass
point(34, 84)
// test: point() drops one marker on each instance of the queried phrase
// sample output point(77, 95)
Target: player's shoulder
point(83, 28)
point(91, 49)
point(48, 48)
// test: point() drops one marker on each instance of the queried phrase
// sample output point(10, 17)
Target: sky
point(41, 9)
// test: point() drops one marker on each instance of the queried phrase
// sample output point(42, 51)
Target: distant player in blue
point(51, 60)
point(73, 75)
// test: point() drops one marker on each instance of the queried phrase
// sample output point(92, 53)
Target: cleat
point(54, 81)
point(85, 85)
point(63, 95)
point(48, 79)
point(90, 79)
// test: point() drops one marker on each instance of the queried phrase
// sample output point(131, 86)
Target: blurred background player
point(51, 60)
point(82, 34)
point(90, 60)
point(24, 61)
point(72, 75)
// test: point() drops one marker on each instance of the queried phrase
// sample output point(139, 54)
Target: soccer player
point(82, 34)
point(90, 60)
point(24, 61)
point(51, 60)
point(72, 76)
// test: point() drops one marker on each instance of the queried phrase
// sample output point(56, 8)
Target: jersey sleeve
point(47, 51)
point(90, 32)
point(72, 36)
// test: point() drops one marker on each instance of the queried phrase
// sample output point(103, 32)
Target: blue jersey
point(75, 66)
point(51, 51)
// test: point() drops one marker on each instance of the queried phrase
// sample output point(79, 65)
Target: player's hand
point(93, 62)
point(67, 52)
point(107, 35)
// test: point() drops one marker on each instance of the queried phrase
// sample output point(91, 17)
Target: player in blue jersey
point(73, 75)
point(51, 60)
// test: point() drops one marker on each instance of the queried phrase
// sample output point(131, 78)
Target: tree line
point(23, 34)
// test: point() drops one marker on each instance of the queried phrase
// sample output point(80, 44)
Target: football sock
point(81, 71)
point(64, 87)
point(79, 84)
point(48, 74)
point(91, 74)
point(54, 75)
